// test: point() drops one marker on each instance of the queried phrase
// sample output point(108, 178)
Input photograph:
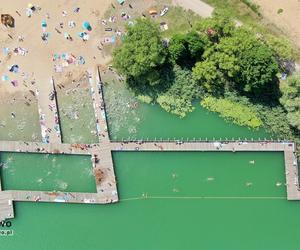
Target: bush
point(175, 105)
point(178, 98)
point(145, 98)
point(279, 11)
point(291, 100)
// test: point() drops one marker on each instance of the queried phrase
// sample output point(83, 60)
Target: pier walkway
point(48, 112)
point(99, 106)
point(102, 162)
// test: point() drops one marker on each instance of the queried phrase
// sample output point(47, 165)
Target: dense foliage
point(235, 112)
point(242, 62)
point(178, 98)
point(177, 48)
point(291, 100)
point(217, 27)
point(234, 70)
point(283, 51)
point(258, 70)
point(142, 53)
point(207, 74)
point(185, 49)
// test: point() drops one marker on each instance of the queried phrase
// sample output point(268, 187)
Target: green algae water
point(153, 122)
point(45, 172)
point(77, 117)
point(172, 201)
point(168, 200)
point(130, 119)
point(23, 125)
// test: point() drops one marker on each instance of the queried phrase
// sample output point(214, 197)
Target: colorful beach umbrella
point(44, 24)
point(86, 25)
point(4, 78)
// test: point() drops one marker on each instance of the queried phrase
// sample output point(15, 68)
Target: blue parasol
point(86, 25)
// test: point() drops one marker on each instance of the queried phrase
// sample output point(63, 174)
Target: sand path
point(199, 7)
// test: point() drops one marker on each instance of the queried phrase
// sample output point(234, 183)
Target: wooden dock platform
point(6, 205)
point(48, 113)
point(99, 105)
point(101, 157)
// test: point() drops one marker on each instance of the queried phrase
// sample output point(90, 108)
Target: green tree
point(258, 70)
point(281, 47)
point(177, 48)
point(185, 49)
point(283, 51)
point(207, 75)
point(142, 53)
point(241, 60)
point(195, 44)
point(218, 26)
point(291, 100)
point(226, 53)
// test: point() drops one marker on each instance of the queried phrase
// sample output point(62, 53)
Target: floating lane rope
point(206, 197)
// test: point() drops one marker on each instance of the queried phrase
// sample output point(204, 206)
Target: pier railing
point(193, 140)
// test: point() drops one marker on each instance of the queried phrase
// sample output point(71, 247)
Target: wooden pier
point(101, 157)
point(48, 113)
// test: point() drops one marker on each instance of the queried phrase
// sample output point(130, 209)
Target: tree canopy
point(283, 51)
point(186, 49)
point(209, 76)
point(291, 100)
point(142, 53)
point(223, 57)
point(217, 26)
point(242, 60)
point(177, 48)
point(258, 70)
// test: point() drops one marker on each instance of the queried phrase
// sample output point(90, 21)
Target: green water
point(24, 126)
point(169, 221)
point(128, 120)
point(77, 117)
point(156, 123)
point(44, 172)
point(162, 205)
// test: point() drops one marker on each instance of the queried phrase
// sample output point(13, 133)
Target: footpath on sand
point(197, 6)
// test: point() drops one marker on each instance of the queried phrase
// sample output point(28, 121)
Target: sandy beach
point(50, 40)
point(35, 56)
point(288, 20)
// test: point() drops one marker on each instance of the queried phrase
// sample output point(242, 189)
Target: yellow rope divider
point(207, 197)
